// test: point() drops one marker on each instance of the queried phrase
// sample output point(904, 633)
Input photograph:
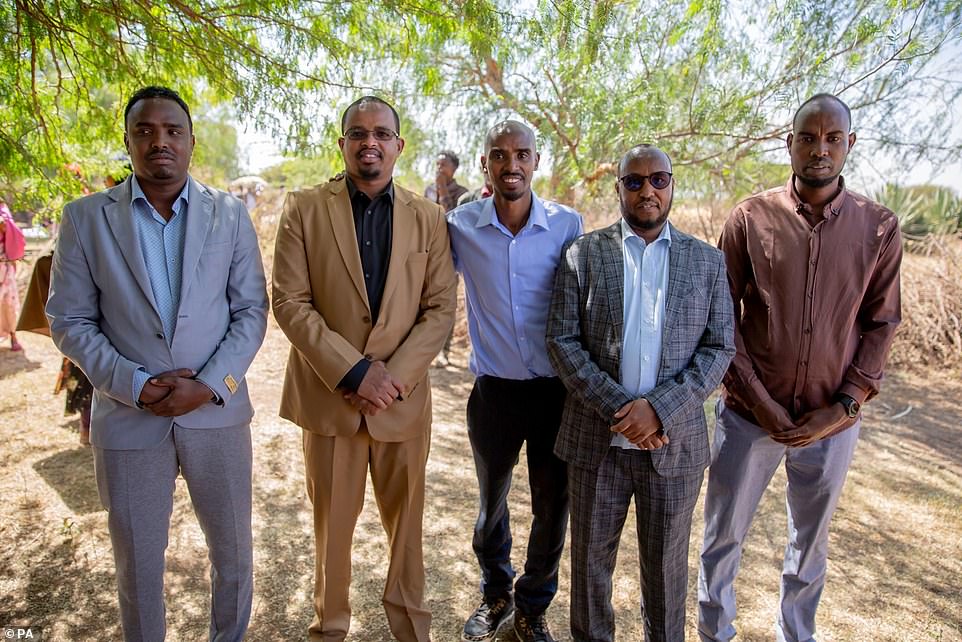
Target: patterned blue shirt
point(646, 284)
point(162, 245)
point(508, 281)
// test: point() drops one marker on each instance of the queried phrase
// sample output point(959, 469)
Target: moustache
point(161, 154)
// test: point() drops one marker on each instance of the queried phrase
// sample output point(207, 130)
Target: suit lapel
point(613, 264)
point(403, 225)
point(120, 219)
point(679, 284)
point(342, 220)
point(200, 209)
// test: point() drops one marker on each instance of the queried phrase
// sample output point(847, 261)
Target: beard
point(513, 196)
point(369, 172)
point(637, 223)
point(817, 182)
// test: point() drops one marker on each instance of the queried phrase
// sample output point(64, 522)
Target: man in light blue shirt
point(157, 293)
point(507, 249)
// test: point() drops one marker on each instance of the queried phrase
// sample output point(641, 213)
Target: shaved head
point(642, 151)
point(509, 127)
point(820, 102)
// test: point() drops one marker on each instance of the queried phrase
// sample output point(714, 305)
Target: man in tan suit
point(364, 288)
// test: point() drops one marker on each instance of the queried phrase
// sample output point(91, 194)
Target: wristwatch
point(851, 406)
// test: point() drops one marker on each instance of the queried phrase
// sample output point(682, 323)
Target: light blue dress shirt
point(508, 281)
point(646, 284)
point(162, 245)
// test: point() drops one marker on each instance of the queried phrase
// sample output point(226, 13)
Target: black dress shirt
point(373, 224)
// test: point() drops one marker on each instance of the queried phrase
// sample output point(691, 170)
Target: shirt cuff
point(140, 379)
point(352, 380)
point(214, 397)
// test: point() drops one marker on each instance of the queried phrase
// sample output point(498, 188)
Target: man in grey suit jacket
point(157, 292)
point(640, 332)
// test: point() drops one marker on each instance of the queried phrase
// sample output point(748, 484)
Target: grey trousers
point(599, 505)
point(744, 459)
point(137, 489)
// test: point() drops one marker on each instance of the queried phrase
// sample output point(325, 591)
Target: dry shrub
point(930, 336)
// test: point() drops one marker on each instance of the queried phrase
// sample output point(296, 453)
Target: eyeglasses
point(634, 182)
point(380, 133)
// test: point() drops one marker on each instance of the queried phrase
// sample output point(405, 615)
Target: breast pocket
point(415, 266)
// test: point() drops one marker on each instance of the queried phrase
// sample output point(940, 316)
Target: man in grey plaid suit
point(640, 331)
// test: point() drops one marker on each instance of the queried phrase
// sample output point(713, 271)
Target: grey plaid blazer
point(584, 338)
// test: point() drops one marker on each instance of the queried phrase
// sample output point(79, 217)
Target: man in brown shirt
point(445, 191)
point(814, 275)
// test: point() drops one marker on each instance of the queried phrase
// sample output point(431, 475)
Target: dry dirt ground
point(894, 573)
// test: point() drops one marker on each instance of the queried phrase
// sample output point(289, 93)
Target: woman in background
point(11, 250)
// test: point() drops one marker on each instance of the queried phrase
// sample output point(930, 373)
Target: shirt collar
point(537, 216)
point(627, 233)
point(353, 191)
point(832, 208)
point(138, 194)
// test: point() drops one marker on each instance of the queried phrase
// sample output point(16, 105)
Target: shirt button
point(808, 330)
point(814, 261)
point(367, 242)
point(367, 276)
point(647, 358)
point(521, 338)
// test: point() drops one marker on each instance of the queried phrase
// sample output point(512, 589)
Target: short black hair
point(640, 150)
point(154, 91)
point(371, 99)
point(451, 156)
point(819, 98)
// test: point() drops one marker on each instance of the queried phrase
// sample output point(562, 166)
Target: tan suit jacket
point(320, 302)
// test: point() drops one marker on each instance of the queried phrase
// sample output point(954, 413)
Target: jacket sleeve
point(412, 358)
point(329, 354)
point(73, 311)
point(684, 394)
point(568, 348)
point(247, 298)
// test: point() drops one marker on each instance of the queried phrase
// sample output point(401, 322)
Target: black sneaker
point(487, 619)
point(532, 628)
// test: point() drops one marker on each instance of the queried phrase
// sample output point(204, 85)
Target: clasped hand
point(640, 425)
point(174, 393)
point(809, 428)
point(378, 390)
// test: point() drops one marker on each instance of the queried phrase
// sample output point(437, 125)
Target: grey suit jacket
point(584, 337)
point(103, 316)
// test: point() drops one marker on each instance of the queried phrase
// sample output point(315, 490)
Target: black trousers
point(503, 414)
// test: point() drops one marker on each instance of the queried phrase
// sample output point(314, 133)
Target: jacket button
point(369, 357)
point(159, 335)
point(366, 319)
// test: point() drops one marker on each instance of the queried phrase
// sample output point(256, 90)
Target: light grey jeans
point(744, 459)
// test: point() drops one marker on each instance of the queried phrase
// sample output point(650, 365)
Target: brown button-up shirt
point(448, 200)
point(816, 306)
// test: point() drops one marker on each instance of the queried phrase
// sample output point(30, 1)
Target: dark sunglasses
point(634, 182)
point(380, 133)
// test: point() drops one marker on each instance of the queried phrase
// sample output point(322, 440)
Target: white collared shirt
point(646, 285)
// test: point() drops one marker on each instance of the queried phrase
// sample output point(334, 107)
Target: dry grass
point(893, 575)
